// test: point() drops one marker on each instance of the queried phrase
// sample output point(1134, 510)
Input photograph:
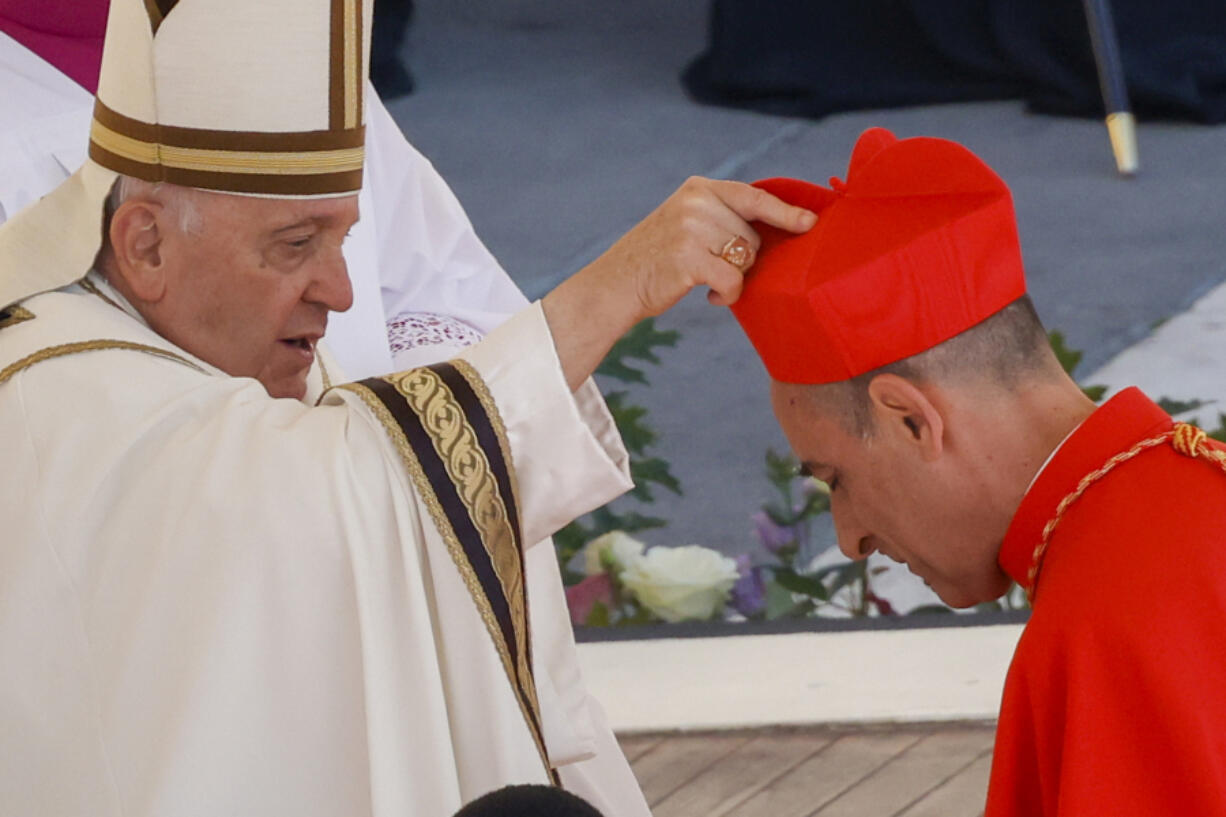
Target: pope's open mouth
point(303, 347)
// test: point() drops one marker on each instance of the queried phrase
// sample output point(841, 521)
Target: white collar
point(1051, 456)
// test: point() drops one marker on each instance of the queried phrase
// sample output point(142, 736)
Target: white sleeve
point(568, 455)
point(582, 746)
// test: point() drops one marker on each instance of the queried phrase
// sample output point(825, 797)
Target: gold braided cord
point(52, 352)
point(14, 315)
point(1185, 438)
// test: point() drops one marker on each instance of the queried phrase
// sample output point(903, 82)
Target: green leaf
point(620, 371)
point(844, 575)
point(817, 504)
point(1220, 434)
point(782, 518)
point(637, 344)
point(569, 541)
point(1172, 406)
point(605, 520)
point(599, 616)
point(638, 616)
point(570, 577)
point(1068, 357)
point(781, 469)
point(1095, 393)
point(779, 601)
point(988, 607)
point(649, 471)
point(629, 420)
point(805, 585)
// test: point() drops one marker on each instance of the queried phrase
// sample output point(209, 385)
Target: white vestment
point(412, 256)
point(214, 602)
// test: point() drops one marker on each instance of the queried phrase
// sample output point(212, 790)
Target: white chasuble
point(214, 602)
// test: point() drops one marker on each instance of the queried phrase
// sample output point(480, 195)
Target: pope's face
point(249, 290)
point(886, 497)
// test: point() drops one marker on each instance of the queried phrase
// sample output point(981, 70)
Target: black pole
point(1121, 126)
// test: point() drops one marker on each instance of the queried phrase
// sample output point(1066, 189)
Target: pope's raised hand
point(682, 243)
point(699, 236)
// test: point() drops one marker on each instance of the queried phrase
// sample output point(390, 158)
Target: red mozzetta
point(1116, 699)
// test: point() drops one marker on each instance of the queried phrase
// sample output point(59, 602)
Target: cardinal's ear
point(905, 413)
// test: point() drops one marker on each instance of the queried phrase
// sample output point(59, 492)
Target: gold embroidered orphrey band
point(451, 440)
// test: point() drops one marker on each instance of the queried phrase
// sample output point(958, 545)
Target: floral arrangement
point(627, 583)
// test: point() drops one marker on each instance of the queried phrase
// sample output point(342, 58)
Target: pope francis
point(228, 586)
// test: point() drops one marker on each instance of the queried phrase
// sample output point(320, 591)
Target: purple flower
point(773, 536)
point(749, 593)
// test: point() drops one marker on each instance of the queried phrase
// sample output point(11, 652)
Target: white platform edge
point(879, 676)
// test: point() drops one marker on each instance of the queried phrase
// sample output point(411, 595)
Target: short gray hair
point(1006, 350)
point(180, 199)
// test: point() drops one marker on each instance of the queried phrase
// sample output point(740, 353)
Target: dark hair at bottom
point(529, 800)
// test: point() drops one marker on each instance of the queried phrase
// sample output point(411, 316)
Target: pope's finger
point(754, 204)
point(735, 241)
point(726, 282)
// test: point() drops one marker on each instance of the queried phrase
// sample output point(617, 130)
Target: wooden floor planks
point(738, 776)
point(908, 771)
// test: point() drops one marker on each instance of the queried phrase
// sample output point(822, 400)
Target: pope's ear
point(904, 412)
point(136, 234)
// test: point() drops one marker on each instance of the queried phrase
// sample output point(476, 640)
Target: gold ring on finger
point(738, 252)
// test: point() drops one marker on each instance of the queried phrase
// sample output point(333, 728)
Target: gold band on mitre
point(269, 163)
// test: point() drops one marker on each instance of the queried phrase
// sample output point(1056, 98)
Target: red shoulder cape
point(1115, 703)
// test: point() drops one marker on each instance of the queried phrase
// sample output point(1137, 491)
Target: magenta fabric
point(66, 33)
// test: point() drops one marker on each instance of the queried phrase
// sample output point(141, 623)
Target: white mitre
point(234, 96)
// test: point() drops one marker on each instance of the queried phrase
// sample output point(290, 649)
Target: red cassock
point(1115, 703)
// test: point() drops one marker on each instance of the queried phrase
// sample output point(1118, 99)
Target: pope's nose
point(331, 286)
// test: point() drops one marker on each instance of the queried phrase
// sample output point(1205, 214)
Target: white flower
point(679, 584)
point(614, 548)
